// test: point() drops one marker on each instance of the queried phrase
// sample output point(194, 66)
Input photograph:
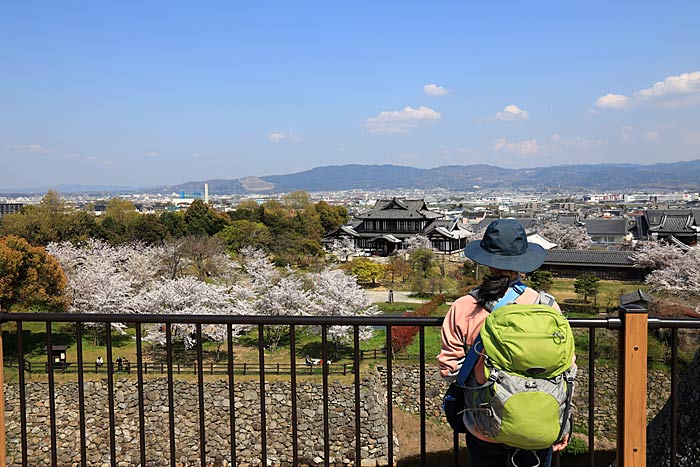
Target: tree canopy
point(29, 276)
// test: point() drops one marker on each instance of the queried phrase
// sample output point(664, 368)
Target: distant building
point(671, 225)
point(606, 231)
point(604, 264)
point(10, 208)
point(383, 229)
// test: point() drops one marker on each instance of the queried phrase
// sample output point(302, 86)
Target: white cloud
point(686, 84)
point(512, 112)
point(435, 90)
point(526, 147)
point(33, 148)
point(277, 136)
point(612, 101)
point(153, 154)
point(675, 91)
point(401, 121)
point(650, 135)
point(577, 142)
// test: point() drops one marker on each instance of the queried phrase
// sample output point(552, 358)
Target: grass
point(608, 291)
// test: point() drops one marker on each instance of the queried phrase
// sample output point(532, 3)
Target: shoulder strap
point(513, 292)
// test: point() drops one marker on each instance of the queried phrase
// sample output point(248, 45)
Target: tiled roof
point(567, 220)
point(590, 257)
point(654, 216)
point(387, 237)
point(676, 222)
point(636, 296)
point(396, 208)
point(606, 227)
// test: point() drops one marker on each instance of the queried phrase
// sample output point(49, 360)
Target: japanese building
point(383, 229)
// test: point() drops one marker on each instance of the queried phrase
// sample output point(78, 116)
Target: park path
point(377, 296)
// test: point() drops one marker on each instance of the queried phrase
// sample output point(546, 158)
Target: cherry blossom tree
point(656, 255)
point(338, 294)
point(285, 297)
point(277, 294)
point(679, 277)
point(262, 272)
point(417, 242)
point(102, 278)
point(186, 296)
point(343, 248)
point(567, 237)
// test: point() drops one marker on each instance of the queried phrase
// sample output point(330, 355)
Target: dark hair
point(492, 288)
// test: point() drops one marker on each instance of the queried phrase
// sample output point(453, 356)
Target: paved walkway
point(399, 296)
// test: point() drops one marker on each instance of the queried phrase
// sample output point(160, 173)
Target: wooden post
point(3, 441)
point(632, 388)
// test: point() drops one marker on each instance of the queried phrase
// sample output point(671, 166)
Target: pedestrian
point(119, 364)
point(99, 362)
point(504, 249)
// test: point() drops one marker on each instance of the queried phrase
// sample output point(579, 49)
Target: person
point(504, 249)
point(119, 364)
point(99, 362)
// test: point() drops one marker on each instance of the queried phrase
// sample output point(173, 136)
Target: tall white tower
point(206, 193)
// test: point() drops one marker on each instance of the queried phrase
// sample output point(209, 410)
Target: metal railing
point(632, 326)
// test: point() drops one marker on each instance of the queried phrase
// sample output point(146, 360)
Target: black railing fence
point(140, 368)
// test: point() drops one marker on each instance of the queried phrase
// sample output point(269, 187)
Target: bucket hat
point(505, 246)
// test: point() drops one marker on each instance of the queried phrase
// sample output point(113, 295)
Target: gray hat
point(505, 246)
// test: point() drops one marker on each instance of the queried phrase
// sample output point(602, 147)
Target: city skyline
point(162, 94)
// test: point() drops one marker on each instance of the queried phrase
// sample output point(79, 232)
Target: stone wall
point(688, 429)
point(218, 434)
point(406, 390)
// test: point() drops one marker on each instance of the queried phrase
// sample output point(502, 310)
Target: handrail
point(633, 324)
point(386, 320)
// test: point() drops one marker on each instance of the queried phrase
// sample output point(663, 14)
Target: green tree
point(331, 217)
point(122, 211)
point(29, 276)
point(367, 270)
point(541, 280)
point(248, 210)
point(587, 285)
point(203, 220)
point(423, 262)
point(174, 223)
point(112, 230)
point(242, 233)
point(39, 224)
point(148, 228)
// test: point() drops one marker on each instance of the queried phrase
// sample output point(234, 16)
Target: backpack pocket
point(479, 414)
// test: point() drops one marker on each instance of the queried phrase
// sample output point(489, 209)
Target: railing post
point(632, 387)
point(3, 442)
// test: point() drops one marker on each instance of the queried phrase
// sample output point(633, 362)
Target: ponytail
point(492, 288)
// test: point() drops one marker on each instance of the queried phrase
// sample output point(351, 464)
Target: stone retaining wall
point(247, 433)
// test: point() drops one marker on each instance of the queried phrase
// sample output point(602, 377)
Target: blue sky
point(155, 93)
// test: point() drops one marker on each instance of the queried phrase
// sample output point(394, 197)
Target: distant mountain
point(599, 177)
point(87, 189)
point(675, 175)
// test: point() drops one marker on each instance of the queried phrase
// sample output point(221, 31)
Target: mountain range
point(674, 175)
point(577, 177)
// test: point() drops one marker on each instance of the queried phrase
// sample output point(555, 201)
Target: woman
point(505, 250)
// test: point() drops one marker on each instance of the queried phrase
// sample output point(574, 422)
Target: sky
point(159, 93)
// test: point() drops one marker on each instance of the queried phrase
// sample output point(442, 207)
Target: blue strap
point(510, 296)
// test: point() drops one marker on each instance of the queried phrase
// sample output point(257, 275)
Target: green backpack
point(526, 400)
